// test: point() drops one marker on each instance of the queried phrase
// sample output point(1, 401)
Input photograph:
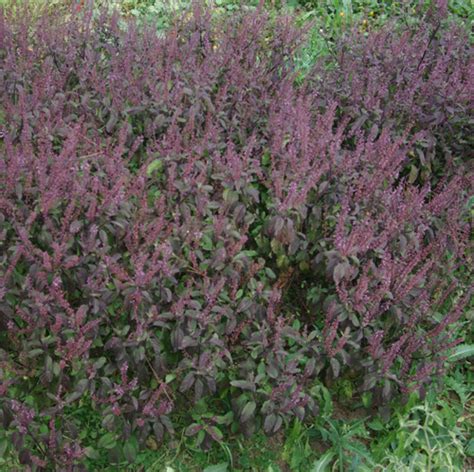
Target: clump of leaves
point(429, 435)
point(346, 451)
point(165, 198)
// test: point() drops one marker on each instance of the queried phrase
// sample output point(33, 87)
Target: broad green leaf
point(248, 411)
point(462, 352)
point(222, 467)
point(91, 453)
point(130, 451)
point(215, 433)
point(155, 166)
point(376, 425)
point(107, 441)
point(322, 464)
point(169, 378)
point(206, 242)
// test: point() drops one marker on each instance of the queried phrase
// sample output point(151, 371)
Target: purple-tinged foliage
point(420, 77)
point(165, 199)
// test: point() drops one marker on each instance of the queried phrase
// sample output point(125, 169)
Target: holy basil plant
point(180, 223)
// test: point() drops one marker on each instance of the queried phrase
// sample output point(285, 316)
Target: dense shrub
point(178, 220)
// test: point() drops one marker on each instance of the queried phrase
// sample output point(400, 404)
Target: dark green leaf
point(248, 411)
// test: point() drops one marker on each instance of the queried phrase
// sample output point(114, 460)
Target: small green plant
point(430, 438)
point(346, 449)
point(297, 450)
point(429, 435)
